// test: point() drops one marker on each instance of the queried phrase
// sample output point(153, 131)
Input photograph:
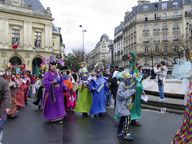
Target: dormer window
point(175, 4)
point(164, 6)
point(145, 7)
point(156, 6)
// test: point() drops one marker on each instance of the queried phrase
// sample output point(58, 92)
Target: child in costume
point(69, 94)
point(125, 96)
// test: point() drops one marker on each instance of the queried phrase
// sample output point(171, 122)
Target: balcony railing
point(164, 40)
point(176, 28)
point(156, 41)
point(156, 30)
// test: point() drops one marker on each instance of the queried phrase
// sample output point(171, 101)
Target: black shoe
point(84, 115)
point(127, 137)
point(100, 115)
point(35, 103)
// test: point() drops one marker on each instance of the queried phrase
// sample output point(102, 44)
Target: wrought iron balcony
point(164, 29)
point(146, 31)
point(146, 41)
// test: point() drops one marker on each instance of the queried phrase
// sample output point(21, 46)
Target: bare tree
point(79, 54)
point(177, 52)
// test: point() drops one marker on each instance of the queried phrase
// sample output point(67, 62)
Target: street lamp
point(83, 31)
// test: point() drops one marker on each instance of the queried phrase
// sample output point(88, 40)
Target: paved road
point(29, 128)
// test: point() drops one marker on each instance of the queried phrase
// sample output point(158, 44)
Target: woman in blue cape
point(99, 89)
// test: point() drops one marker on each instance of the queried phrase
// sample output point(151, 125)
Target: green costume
point(135, 108)
point(84, 100)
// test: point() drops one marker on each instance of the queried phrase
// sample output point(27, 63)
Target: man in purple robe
point(53, 99)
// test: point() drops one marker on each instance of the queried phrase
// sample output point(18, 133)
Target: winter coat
point(5, 96)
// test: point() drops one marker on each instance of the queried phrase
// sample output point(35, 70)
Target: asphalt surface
point(30, 128)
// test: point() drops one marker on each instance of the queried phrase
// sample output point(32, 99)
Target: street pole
point(83, 31)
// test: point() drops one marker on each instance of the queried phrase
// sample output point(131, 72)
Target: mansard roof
point(36, 5)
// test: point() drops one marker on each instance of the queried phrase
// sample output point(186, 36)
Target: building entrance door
point(15, 61)
point(36, 64)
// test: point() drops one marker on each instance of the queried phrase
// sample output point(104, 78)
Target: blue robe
point(98, 94)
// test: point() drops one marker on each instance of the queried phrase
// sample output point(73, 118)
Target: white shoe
point(162, 100)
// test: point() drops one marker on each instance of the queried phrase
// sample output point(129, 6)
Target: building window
point(165, 49)
point(38, 39)
point(176, 49)
point(146, 39)
point(175, 37)
point(146, 61)
point(164, 6)
point(145, 27)
point(146, 49)
point(157, 49)
point(145, 7)
point(156, 26)
point(165, 38)
point(156, 38)
point(164, 26)
point(15, 36)
point(175, 14)
point(176, 25)
point(164, 16)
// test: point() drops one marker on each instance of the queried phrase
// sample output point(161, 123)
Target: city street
point(29, 128)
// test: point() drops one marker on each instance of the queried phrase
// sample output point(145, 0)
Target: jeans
point(108, 98)
point(2, 124)
point(161, 91)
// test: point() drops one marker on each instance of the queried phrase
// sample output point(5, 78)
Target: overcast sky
point(96, 16)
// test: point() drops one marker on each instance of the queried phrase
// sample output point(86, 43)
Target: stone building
point(27, 34)
point(101, 52)
point(156, 31)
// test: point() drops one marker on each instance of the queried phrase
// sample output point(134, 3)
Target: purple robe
point(53, 99)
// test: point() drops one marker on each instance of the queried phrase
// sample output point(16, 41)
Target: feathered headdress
point(52, 60)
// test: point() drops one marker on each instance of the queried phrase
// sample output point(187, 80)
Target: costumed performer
point(20, 99)
point(99, 88)
point(69, 94)
point(84, 100)
point(125, 95)
point(184, 134)
point(53, 99)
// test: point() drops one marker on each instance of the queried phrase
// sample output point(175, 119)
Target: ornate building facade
point(27, 34)
point(156, 31)
point(101, 52)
